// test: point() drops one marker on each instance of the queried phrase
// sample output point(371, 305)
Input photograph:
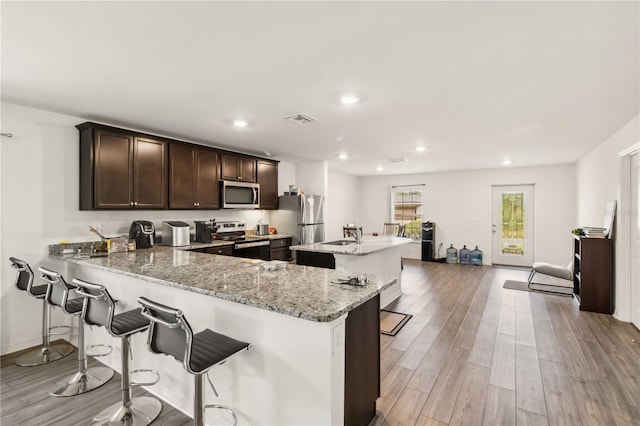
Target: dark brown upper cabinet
point(121, 169)
point(268, 180)
point(236, 167)
point(193, 179)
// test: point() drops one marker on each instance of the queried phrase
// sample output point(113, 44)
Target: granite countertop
point(299, 291)
point(367, 246)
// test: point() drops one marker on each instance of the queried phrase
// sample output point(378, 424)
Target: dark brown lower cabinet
point(280, 249)
point(319, 260)
point(362, 363)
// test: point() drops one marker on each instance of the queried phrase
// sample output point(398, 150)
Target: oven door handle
point(250, 245)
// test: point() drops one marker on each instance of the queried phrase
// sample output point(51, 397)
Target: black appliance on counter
point(428, 241)
point(204, 229)
point(143, 232)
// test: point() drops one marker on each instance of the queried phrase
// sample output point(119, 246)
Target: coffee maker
point(204, 229)
point(143, 232)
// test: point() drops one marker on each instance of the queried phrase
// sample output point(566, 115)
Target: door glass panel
point(512, 229)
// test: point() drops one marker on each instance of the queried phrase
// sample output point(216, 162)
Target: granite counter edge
point(237, 299)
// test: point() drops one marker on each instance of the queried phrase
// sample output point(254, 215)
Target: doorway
point(512, 225)
point(634, 216)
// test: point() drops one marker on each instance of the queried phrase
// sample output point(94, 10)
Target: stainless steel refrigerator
point(301, 216)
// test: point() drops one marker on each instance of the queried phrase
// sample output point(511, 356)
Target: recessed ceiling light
point(506, 162)
point(343, 156)
point(240, 123)
point(349, 99)
point(379, 168)
point(420, 148)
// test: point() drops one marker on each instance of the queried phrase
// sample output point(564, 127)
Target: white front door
point(635, 239)
point(512, 225)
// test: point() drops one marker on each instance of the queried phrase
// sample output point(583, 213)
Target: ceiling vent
point(397, 160)
point(300, 118)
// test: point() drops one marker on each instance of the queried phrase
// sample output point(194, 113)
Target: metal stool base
point(44, 355)
point(225, 408)
point(141, 411)
point(84, 381)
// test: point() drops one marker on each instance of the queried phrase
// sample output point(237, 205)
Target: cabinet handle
point(239, 177)
point(135, 203)
point(198, 204)
point(195, 204)
point(131, 203)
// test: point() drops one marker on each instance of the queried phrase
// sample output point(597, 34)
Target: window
point(406, 209)
point(512, 232)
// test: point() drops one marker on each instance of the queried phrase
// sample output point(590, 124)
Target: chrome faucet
point(355, 234)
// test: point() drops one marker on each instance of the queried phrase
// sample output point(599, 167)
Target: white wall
point(39, 206)
point(2, 138)
point(460, 205)
point(312, 177)
point(598, 178)
point(598, 174)
point(342, 204)
point(286, 176)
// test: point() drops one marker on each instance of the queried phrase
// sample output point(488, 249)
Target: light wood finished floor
point(25, 399)
point(477, 354)
point(473, 353)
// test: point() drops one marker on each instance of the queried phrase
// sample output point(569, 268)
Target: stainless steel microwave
point(240, 195)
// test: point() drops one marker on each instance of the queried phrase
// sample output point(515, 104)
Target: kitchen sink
point(339, 242)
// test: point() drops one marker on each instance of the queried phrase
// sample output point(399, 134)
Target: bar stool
point(47, 353)
point(85, 379)
point(171, 334)
point(100, 310)
point(391, 229)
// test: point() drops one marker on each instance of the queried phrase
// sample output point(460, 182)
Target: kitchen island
point(310, 335)
point(373, 255)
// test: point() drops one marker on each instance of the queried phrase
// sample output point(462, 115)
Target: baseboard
point(35, 342)
point(169, 396)
point(25, 345)
point(390, 294)
point(20, 348)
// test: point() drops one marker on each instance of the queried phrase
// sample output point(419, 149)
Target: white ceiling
point(476, 83)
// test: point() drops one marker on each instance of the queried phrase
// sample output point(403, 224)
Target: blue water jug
point(476, 256)
point(452, 254)
point(465, 256)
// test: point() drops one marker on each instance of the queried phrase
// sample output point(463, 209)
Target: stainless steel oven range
point(252, 248)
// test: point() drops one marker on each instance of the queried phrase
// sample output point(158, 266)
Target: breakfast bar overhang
point(310, 335)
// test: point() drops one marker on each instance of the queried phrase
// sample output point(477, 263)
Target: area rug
point(392, 322)
point(538, 288)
